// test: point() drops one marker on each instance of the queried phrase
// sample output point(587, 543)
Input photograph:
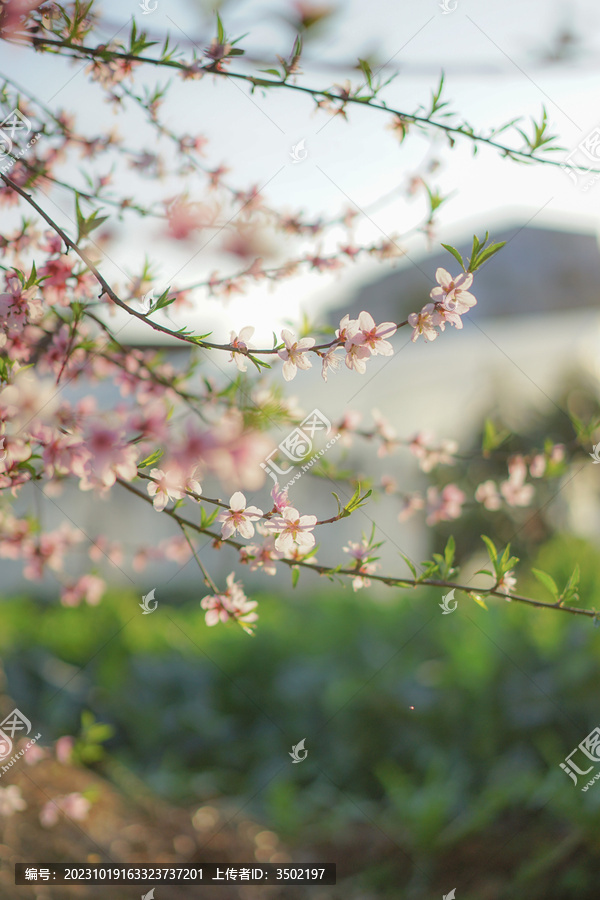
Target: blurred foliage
point(572, 419)
point(445, 731)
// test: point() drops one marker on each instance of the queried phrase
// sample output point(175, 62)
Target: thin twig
point(384, 579)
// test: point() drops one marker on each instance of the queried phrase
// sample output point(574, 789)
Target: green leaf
point(455, 254)
point(491, 548)
point(493, 437)
point(479, 600)
point(410, 565)
point(430, 567)
point(151, 460)
point(548, 581)
point(162, 301)
point(366, 69)
point(207, 519)
point(85, 226)
point(220, 30)
point(479, 255)
point(356, 501)
point(570, 592)
point(490, 251)
point(295, 576)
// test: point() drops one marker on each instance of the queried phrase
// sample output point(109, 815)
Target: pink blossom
point(347, 330)
point(453, 294)
point(296, 554)
point(487, 493)
point(28, 400)
point(445, 506)
point(280, 498)
point(110, 456)
point(14, 451)
point(429, 457)
point(232, 604)
point(34, 753)
point(11, 800)
point(389, 484)
point(19, 306)
point(56, 272)
point(357, 356)
point(73, 806)
point(102, 548)
point(360, 581)
point(507, 583)
point(514, 490)
point(360, 552)
point(452, 298)
point(63, 454)
point(175, 549)
point(217, 609)
point(425, 323)
point(347, 426)
point(61, 356)
point(241, 340)
point(48, 549)
point(166, 486)
point(411, 504)
point(89, 588)
point(537, 466)
point(330, 361)
point(239, 517)
point(385, 432)
point(14, 535)
point(261, 556)
point(374, 336)
point(150, 421)
point(110, 72)
point(294, 356)
point(292, 527)
point(64, 749)
point(185, 218)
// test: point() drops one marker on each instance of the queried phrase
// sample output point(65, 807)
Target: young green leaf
point(547, 580)
point(455, 254)
point(491, 548)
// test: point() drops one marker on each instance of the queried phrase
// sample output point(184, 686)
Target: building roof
point(539, 270)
